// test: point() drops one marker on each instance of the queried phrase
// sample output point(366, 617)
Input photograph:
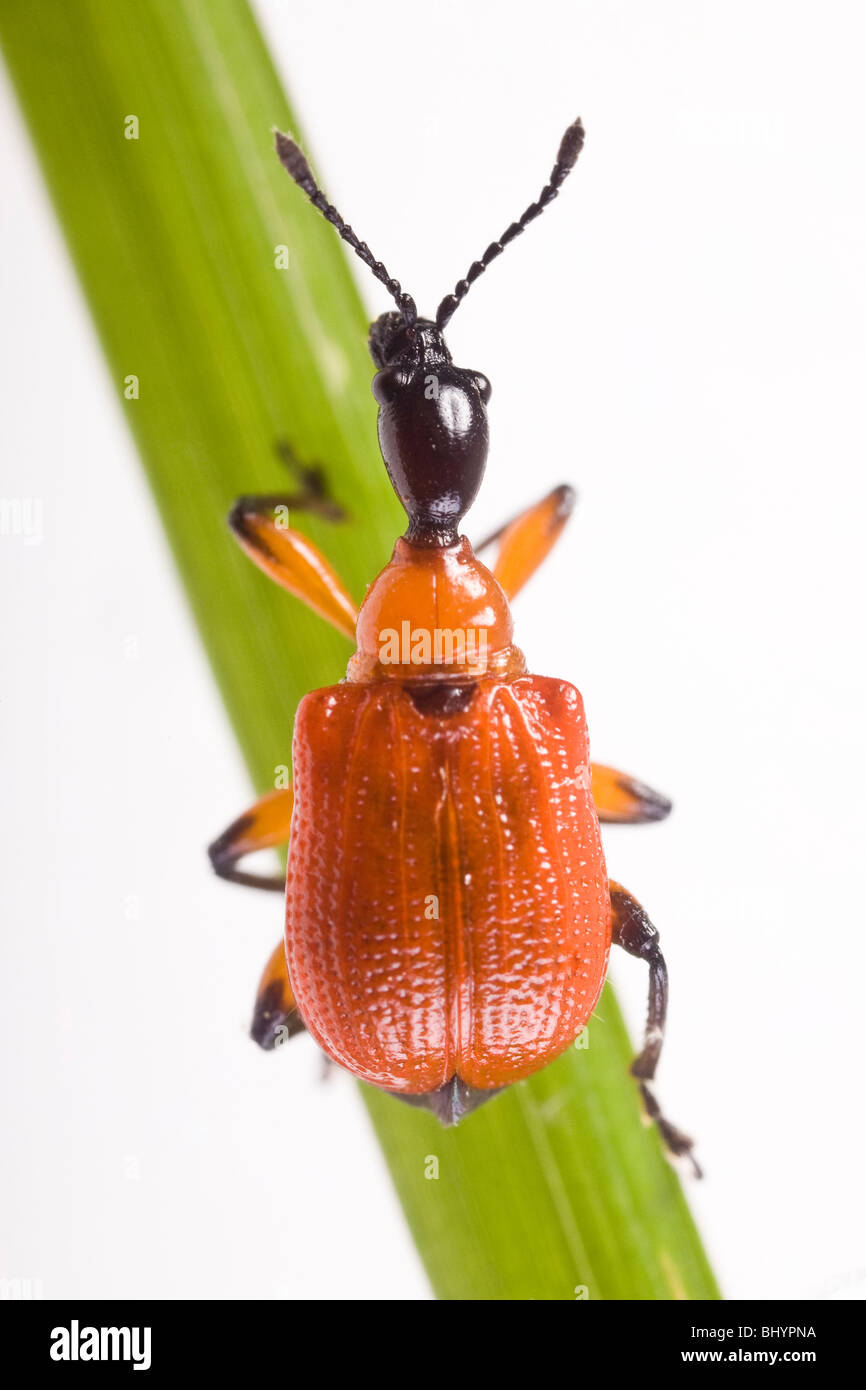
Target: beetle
point(449, 917)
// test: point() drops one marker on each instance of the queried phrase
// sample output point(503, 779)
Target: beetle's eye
point(485, 390)
point(388, 383)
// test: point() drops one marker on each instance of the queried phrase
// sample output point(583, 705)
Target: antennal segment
point(294, 162)
point(569, 148)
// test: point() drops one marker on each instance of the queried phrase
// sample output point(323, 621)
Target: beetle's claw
point(675, 1141)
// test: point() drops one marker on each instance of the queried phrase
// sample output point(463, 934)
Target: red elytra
point(448, 912)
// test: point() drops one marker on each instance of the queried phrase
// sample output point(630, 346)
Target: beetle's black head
point(432, 425)
point(432, 415)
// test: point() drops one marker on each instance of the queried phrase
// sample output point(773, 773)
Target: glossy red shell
point(447, 907)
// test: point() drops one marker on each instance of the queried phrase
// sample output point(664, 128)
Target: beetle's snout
point(388, 338)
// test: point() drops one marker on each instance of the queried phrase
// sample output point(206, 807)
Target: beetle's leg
point(526, 540)
point(314, 495)
point(287, 556)
point(635, 933)
point(275, 1016)
point(623, 800)
point(263, 826)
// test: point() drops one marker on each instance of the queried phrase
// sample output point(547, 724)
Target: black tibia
point(231, 846)
point(272, 1022)
point(635, 933)
point(264, 826)
point(275, 1016)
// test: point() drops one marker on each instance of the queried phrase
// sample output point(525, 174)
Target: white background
point(681, 336)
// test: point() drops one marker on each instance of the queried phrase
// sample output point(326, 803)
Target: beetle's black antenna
point(293, 161)
point(569, 148)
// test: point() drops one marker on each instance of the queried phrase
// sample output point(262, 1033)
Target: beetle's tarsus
point(315, 493)
point(678, 1143)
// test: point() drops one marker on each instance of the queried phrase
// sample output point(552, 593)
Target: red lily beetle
point(448, 912)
